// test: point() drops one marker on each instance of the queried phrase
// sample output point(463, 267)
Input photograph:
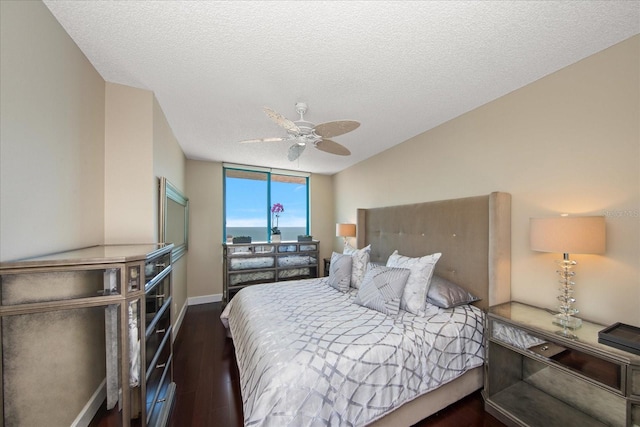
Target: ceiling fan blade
point(295, 151)
point(282, 120)
point(332, 147)
point(339, 127)
point(275, 139)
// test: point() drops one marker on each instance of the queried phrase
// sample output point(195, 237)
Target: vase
point(275, 238)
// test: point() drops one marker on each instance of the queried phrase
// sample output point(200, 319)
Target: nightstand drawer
point(635, 414)
point(634, 379)
point(593, 368)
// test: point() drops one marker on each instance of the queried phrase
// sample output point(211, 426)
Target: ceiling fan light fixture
point(295, 151)
point(302, 132)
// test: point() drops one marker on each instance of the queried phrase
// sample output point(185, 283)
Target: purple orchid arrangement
point(276, 210)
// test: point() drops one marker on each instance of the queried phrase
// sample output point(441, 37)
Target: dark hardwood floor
point(208, 389)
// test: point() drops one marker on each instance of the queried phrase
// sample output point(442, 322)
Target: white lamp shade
point(568, 235)
point(346, 230)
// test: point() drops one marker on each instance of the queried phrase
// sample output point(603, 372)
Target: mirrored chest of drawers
point(86, 337)
point(248, 264)
point(536, 377)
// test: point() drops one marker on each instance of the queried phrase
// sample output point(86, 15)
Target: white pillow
point(382, 288)
point(360, 260)
point(415, 292)
point(340, 271)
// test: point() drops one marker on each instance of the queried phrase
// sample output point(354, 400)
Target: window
point(250, 194)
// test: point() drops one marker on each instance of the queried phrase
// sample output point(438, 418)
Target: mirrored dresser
point(86, 337)
point(248, 264)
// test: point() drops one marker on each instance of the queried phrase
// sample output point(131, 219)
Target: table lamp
point(565, 235)
point(345, 230)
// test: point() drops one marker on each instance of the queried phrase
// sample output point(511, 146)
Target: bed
point(308, 355)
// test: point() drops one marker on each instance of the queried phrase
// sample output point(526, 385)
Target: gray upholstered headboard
point(473, 234)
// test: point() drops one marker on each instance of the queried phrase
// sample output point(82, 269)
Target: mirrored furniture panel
point(248, 264)
point(85, 337)
point(535, 376)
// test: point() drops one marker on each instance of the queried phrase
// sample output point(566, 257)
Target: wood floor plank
point(208, 385)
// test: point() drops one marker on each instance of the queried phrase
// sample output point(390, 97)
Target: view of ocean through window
point(260, 204)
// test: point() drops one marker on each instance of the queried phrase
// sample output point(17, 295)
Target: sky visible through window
point(248, 209)
point(247, 202)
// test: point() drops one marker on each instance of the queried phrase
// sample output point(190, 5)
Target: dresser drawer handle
point(161, 265)
point(159, 296)
point(161, 365)
point(161, 331)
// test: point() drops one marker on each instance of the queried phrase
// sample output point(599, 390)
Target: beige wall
point(568, 143)
point(204, 186)
point(129, 181)
point(52, 137)
point(323, 226)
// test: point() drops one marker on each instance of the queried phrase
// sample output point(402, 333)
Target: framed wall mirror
point(174, 218)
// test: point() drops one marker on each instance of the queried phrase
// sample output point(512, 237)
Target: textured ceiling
point(398, 67)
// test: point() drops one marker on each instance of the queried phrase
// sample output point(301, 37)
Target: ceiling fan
point(303, 133)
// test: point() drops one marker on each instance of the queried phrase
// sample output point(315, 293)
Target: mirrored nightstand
point(534, 377)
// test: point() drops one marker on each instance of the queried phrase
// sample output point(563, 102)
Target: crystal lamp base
point(569, 322)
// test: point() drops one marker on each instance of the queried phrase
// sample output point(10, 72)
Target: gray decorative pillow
point(382, 288)
point(446, 294)
point(360, 258)
point(340, 271)
point(415, 293)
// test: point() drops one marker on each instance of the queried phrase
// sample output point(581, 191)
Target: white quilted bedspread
point(308, 356)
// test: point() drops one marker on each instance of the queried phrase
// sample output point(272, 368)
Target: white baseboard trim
point(91, 408)
point(178, 322)
point(205, 299)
